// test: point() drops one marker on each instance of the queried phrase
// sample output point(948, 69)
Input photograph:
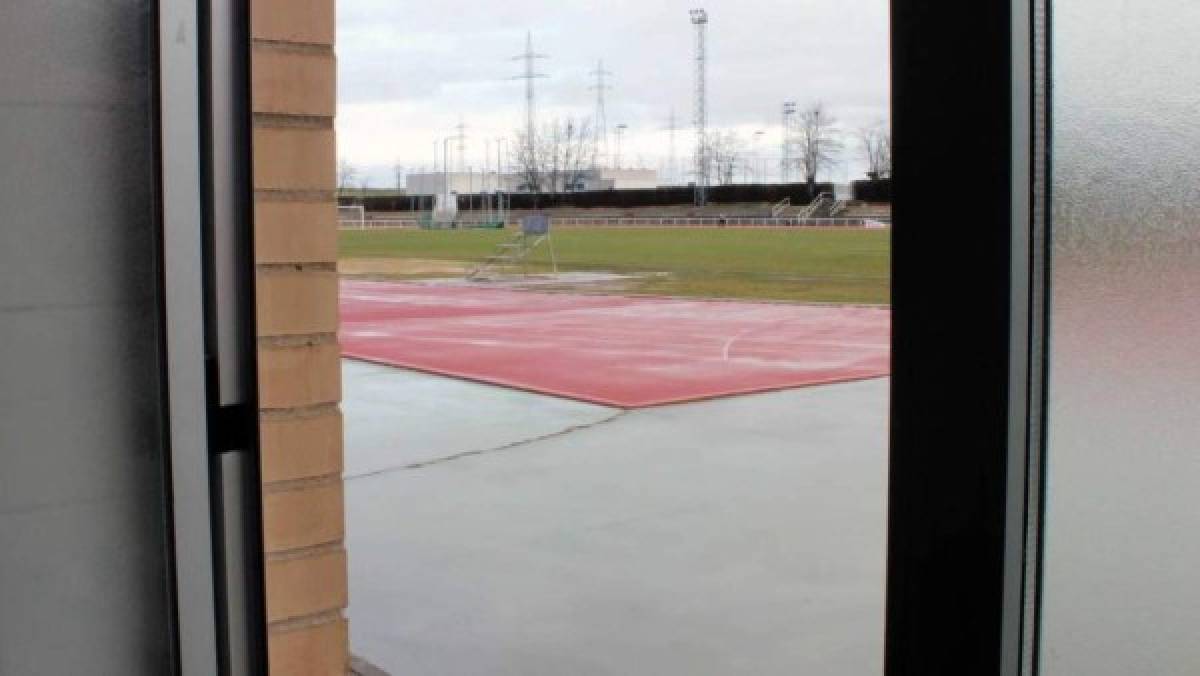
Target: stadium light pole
point(699, 18)
point(785, 161)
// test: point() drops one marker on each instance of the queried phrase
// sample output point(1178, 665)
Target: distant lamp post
point(754, 153)
point(446, 164)
point(620, 135)
point(787, 143)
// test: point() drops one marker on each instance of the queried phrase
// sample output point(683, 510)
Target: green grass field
point(846, 266)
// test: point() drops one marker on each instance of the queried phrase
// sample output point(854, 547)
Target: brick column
point(294, 97)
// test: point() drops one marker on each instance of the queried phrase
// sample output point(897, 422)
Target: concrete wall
point(294, 99)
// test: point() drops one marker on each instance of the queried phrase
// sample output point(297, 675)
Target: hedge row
point(873, 191)
point(799, 193)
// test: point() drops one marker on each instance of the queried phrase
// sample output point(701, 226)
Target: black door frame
point(970, 121)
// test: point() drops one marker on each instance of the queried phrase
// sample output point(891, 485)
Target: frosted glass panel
point(1122, 550)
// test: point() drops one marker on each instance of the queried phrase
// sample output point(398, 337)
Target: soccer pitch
point(808, 265)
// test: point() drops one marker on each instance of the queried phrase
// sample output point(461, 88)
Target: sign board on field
point(535, 224)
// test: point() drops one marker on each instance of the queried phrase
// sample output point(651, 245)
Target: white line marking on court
point(729, 343)
point(746, 331)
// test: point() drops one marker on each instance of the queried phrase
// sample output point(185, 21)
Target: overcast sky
point(408, 72)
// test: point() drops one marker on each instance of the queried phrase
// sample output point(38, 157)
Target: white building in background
point(461, 182)
point(625, 179)
point(464, 182)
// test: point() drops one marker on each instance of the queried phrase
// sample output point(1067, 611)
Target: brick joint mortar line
point(300, 622)
point(306, 552)
point(276, 195)
point(292, 121)
point(296, 267)
point(283, 413)
point(295, 47)
point(301, 618)
point(294, 485)
point(298, 412)
point(305, 340)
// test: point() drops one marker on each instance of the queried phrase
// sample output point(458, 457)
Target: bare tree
point(574, 153)
point(725, 154)
point(819, 141)
point(529, 162)
point(346, 174)
point(877, 150)
point(557, 160)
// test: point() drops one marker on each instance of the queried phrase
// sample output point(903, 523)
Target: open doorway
point(614, 313)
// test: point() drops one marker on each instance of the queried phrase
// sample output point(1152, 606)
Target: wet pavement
point(495, 531)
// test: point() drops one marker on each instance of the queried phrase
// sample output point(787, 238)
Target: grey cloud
point(453, 57)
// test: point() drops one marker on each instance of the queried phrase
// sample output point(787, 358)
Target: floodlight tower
point(785, 161)
point(700, 21)
point(530, 74)
point(601, 121)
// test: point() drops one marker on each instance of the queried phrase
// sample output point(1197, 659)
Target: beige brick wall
point(294, 96)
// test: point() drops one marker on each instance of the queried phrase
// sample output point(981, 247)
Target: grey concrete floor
point(493, 531)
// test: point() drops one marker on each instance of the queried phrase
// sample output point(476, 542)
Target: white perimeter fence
point(379, 223)
point(682, 222)
point(727, 221)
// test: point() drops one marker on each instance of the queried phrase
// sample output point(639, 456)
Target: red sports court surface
point(613, 350)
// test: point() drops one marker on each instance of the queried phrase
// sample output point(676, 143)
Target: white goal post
point(354, 216)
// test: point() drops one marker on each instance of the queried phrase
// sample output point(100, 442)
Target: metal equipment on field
point(535, 230)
